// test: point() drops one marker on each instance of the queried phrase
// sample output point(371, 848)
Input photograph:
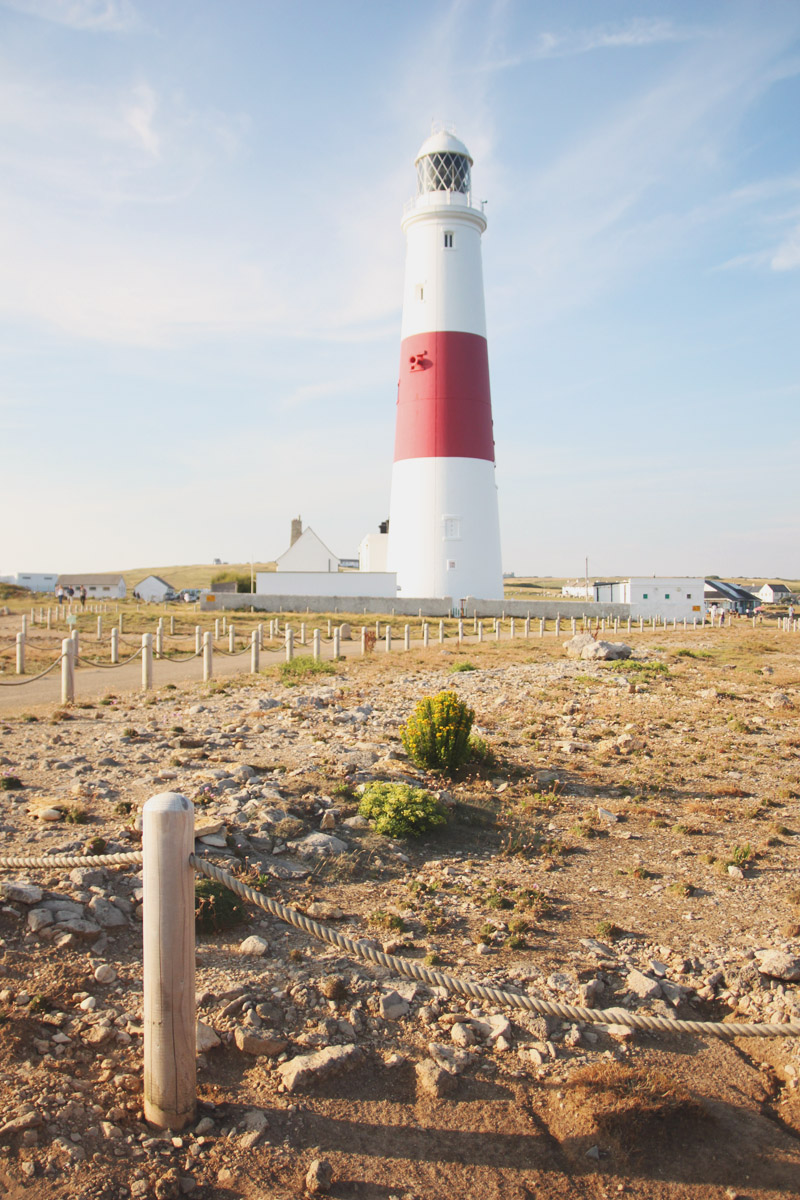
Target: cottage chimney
point(297, 529)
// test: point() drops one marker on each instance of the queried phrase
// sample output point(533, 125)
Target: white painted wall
point(327, 583)
point(152, 589)
point(309, 553)
point(444, 530)
point(451, 280)
point(372, 552)
point(679, 596)
point(37, 581)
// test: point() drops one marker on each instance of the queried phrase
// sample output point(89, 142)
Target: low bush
point(303, 667)
point(215, 907)
point(400, 810)
point(437, 734)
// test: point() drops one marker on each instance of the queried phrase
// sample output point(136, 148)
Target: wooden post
point(99, 628)
point(289, 644)
point(337, 642)
point(527, 627)
point(426, 634)
point(558, 627)
point(198, 640)
point(377, 630)
point(20, 653)
point(480, 631)
point(441, 632)
point(460, 631)
point(67, 672)
point(49, 619)
point(216, 629)
point(231, 638)
point(171, 626)
point(511, 628)
point(121, 619)
point(24, 625)
point(208, 656)
point(147, 661)
point(76, 646)
point(114, 644)
point(160, 638)
point(260, 631)
point(629, 624)
point(641, 624)
point(363, 638)
point(475, 621)
point(388, 638)
point(170, 1078)
point(407, 637)
point(315, 643)
point(497, 630)
point(254, 653)
point(541, 627)
point(224, 624)
point(302, 633)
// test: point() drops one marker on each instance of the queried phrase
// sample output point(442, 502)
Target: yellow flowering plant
point(437, 734)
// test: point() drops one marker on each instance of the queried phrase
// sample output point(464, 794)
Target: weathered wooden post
point(114, 644)
point(388, 638)
point(541, 627)
point(67, 672)
point(406, 637)
point(208, 656)
point(231, 638)
point(337, 643)
point(289, 644)
point(198, 640)
point(302, 633)
point(76, 646)
point(170, 1079)
point(224, 625)
point(49, 619)
point(121, 622)
point(558, 626)
point(441, 632)
point(527, 627)
point(629, 624)
point(160, 638)
point(363, 638)
point(475, 621)
point(147, 661)
point(20, 653)
point(460, 631)
point(480, 631)
point(260, 632)
point(171, 625)
point(377, 630)
point(641, 624)
point(497, 630)
point(511, 628)
point(255, 653)
point(426, 634)
point(216, 629)
point(572, 619)
point(99, 628)
point(24, 625)
point(315, 644)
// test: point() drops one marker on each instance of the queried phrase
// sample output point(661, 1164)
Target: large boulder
point(586, 647)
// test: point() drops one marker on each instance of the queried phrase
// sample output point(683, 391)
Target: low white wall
point(380, 584)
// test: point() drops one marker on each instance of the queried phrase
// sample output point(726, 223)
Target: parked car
point(170, 595)
point(189, 595)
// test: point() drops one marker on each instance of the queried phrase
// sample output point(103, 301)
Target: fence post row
point(20, 654)
point(170, 1072)
point(114, 644)
point(67, 672)
point(208, 656)
point(147, 662)
point(315, 644)
point(255, 657)
point(289, 644)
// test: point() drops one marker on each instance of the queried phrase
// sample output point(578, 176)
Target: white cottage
point(153, 589)
point(774, 593)
point(98, 587)
point(307, 553)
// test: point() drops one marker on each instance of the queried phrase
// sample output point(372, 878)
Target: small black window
point(448, 241)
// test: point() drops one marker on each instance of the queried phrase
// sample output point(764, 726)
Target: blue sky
point(201, 274)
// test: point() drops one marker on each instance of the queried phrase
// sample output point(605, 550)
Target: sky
point(201, 269)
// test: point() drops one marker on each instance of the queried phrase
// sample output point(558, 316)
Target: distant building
point(153, 589)
point(655, 596)
point(98, 587)
point(36, 581)
point(307, 553)
point(729, 596)
point(774, 593)
point(372, 552)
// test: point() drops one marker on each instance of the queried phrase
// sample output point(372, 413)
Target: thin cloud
point(787, 256)
point(89, 16)
point(634, 35)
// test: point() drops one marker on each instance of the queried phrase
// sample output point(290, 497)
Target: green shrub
point(302, 667)
point(10, 783)
point(215, 907)
point(400, 810)
point(436, 735)
point(457, 668)
point(481, 752)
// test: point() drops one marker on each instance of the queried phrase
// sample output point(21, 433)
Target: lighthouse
point(444, 531)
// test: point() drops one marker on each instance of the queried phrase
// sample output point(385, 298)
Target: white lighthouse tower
point(444, 532)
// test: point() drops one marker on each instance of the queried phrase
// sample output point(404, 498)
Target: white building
point(652, 596)
point(774, 593)
point(307, 553)
point(372, 552)
point(153, 589)
point(36, 581)
point(98, 587)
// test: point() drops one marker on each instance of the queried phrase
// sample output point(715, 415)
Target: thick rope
point(181, 655)
point(91, 662)
point(33, 678)
point(72, 860)
point(232, 654)
point(414, 970)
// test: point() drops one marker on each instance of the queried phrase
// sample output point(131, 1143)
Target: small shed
point(98, 587)
point(774, 593)
point(152, 589)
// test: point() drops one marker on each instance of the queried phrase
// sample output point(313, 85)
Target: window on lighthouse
point(448, 241)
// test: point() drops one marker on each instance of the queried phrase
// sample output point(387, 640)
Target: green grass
point(305, 666)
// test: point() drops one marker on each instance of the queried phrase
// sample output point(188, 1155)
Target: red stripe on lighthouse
point(444, 407)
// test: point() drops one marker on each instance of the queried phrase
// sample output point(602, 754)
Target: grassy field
point(198, 575)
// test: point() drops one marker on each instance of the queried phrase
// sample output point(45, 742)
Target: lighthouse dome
point(443, 164)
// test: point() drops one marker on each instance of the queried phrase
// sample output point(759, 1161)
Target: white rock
point(254, 945)
point(778, 965)
point(105, 973)
point(318, 845)
point(393, 1006)
point(20, 891)
point(206, 1038)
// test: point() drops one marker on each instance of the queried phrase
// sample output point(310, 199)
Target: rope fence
point(32, 678)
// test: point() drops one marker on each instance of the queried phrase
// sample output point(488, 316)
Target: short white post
point(260, 632)
point(572, 619)
point(426, 634)
point(20, 653)
point(76, 646)
point(315, 643)
point(147, 661)
point(24, 625)
point(224, 624)
point(216, 629)
point(460, 631)
point(407, 637)
point(329, 627)
point(629, 624)
point(337, 642)
point(49, 618)
point(121, 622)
point(302, 633)
point(363, 638)
point(497, 630)
point(541, 627)
point(171, 626)
point(388, 638)
point(67, 672)
point(475, 621)
point(641, 624)
point(511, 628)
point(160, 638)
point(441, 632)
point(231, 638)
point(99, 628)
point(198, 640)
point(558, 626)
point(208, 656)
point(480, 631)
point(527, 627)
point(114, 644)
point(289, 644)
point(377, 630)
point(255, 648)
point(170, 1071)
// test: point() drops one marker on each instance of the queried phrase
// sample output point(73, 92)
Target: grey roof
point(90, 580)
point(778, 587)
point(731, 591)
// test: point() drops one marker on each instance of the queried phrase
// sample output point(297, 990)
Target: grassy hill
point(198, 575)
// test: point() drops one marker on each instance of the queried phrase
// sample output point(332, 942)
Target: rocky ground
point(633, 844)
